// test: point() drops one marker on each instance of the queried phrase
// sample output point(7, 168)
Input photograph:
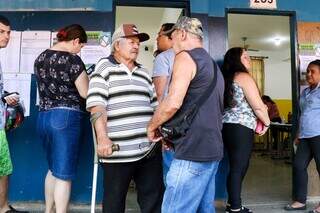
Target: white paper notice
point(93, 50)
point(20, 83)
point(32, 44)
point(54, 39)
point(10, 56)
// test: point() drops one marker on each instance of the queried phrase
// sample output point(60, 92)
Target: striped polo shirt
point(130, 100)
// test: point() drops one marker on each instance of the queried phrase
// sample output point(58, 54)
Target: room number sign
point(263, 4)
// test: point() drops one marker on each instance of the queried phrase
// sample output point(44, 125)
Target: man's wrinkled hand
point(153, 135)
point(12, 99)
point(104, 147)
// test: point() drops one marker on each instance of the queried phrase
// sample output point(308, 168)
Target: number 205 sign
point(263, 4)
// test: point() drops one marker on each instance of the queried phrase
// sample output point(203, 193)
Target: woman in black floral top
point(63, 85)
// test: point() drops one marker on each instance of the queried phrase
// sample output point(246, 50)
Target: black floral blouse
point(56, 73)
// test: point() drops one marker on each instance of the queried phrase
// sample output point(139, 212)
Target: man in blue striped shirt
point(122, 92)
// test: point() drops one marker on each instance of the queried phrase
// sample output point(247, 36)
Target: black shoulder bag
point(180, 123)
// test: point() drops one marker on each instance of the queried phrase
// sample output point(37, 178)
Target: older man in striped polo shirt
point(122, 92)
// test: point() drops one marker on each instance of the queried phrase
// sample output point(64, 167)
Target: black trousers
point(148, 177)
point(275, 133)
point(308, 148)
point(238, 141)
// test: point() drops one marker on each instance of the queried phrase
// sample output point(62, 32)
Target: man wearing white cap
point(122, 93)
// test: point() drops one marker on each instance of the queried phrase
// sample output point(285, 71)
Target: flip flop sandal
point(290, 208)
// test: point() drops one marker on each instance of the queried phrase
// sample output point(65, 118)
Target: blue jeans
point(167, 156)
point(190, 187)
point(60, 131)
point(221, 178)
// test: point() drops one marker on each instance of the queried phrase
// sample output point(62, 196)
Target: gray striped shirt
point(130, 100)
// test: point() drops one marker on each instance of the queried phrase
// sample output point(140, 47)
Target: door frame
point(295, 74)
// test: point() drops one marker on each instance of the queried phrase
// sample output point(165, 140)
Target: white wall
point(277, 73)
point(146, 57)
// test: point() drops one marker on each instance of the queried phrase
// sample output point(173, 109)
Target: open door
point(269, 38)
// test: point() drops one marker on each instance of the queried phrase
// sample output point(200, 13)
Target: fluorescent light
point(277, 41)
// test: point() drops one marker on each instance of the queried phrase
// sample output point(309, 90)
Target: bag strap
point(211, 87)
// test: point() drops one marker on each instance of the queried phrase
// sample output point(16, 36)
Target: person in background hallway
point(243, 106)
point(63, 85)
point(191, 177)
point(163, 62)
point(273, 110)
point(162, 70)
point(308, 139)
point(122, 94)
point(274, 116)
point(5, 159)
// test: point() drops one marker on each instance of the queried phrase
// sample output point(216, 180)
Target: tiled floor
point(267, 181)
point(267, 188)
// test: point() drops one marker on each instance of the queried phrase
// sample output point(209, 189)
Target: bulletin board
point(29, 160)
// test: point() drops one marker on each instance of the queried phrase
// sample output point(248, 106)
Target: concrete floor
point(266, 189)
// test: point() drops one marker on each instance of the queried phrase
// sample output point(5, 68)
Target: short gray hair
point(114, 43)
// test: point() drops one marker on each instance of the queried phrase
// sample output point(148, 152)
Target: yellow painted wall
point(284, 106)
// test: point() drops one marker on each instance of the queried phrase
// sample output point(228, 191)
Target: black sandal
point(289, 207)
point(13, 210)
point(241, 210)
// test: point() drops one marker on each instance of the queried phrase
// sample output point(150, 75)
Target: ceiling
point(260, 31)
point(147, 19)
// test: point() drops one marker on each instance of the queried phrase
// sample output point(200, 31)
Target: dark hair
point(166, 27)
point(231, 65)
point(315, 62)
point(4, 20)
point(155, 53)
point(71, 32)
point(266, 98)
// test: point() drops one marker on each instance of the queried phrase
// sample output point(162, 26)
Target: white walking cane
point(115, 147)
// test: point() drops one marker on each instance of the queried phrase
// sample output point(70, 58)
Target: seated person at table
point(273, 111)
point(274, 116)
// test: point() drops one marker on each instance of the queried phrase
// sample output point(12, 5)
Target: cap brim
point(141, 36)
point(168, 31)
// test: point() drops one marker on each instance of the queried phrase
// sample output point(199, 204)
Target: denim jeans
point(167, 156)
point(190, 187)
point(60, 131)
point(221, 178)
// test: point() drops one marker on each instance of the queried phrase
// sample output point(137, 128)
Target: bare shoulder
point(184, 65)
point(243, 79)
point(183, 57)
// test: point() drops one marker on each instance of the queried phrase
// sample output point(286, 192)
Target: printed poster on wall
point(32, 44)
point(309, 47)
point(97, 47)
